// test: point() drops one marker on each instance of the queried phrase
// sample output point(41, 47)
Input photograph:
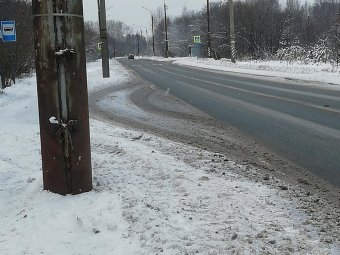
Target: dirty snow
point(146, 200)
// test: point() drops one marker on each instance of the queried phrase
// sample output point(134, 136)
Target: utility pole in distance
point(139, 35)
point(103, 38)
point(152, 26)
point(62, 95)
point(153, 34)
point(208, 34)
point(166, 32)
point(138, 43)
point(141, 40)
point(232, 32)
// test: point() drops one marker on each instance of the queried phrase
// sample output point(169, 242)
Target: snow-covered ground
point(151, 196)
point(313, 72)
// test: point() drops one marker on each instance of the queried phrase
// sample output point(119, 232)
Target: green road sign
point(197, 39)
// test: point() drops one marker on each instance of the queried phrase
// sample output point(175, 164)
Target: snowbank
point(317, 72)
point(94, 75)
point(146, 200)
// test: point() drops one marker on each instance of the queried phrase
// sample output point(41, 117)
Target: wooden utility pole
point(62, 95)
point(208, 33)
point(138, 43)
point(166, 32)
point(232, 32)
point(103, 38)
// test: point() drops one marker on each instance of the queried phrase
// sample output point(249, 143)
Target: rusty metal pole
point(62, 95)
point(103, 38)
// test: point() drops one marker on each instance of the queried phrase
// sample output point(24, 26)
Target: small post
point(2, 78)
point(308, 28)
point(114, 48)
point(62, 95)
point(103, 38)
point(232, 32)
point(1, 83)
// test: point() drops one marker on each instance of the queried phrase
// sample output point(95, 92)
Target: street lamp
point(166, 32)
point(153, 35)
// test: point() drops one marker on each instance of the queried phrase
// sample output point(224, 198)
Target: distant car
point(131, 56)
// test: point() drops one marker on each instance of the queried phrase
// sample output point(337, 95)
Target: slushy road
point(300, 122)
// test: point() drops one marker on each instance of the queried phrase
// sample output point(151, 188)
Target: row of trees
point(17, 58)
point(264, 29)
point(121, 39)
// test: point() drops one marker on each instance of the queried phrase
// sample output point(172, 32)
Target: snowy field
point(316, 73)
point(151, 196)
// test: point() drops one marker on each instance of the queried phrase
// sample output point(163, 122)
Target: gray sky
point(131, 12)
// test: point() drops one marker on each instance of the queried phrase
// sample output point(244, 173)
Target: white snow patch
point(312, 72)
point(53, 120)
point(95, 80)
point(146, 199)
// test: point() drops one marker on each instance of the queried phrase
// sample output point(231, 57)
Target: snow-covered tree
point(295, 52)
point(321, 52)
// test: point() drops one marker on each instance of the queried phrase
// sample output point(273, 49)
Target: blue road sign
point(8, 31)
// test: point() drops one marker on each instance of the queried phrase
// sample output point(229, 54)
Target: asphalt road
point(299, 122)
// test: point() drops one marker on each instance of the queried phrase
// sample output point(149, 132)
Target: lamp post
point(166, 32)
point(152, 25)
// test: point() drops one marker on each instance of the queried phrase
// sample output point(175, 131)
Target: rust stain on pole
point(62, 94)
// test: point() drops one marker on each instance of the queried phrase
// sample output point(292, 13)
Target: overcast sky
point(131, 12)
